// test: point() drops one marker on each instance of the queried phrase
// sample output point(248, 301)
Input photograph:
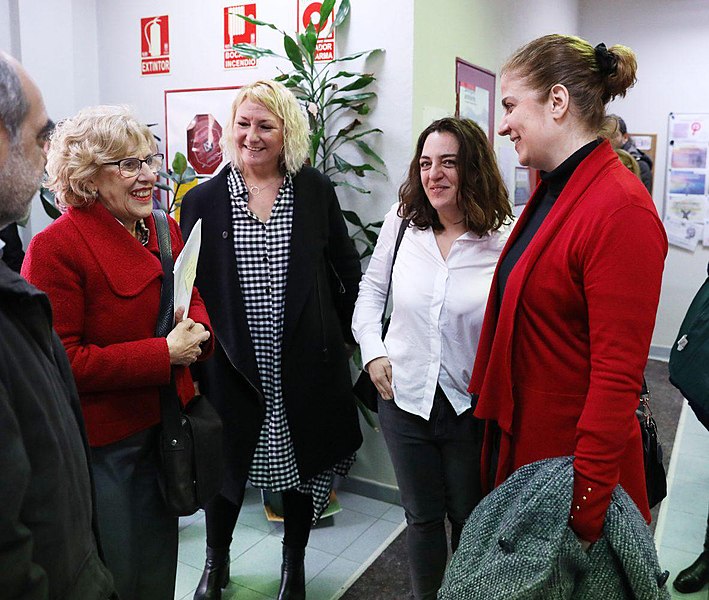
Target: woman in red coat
point(99, 263)
point(572, 307)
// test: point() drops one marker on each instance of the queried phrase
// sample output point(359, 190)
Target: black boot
point(292, 574)
point(695, 576)
point(215, 576)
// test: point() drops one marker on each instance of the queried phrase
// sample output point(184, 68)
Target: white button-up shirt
point(438, 309)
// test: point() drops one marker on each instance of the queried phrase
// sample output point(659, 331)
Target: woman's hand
point(379, 371)
point(184, 341)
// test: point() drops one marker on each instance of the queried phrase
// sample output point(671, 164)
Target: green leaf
point(163, 186)
point(325, 10)
point(361, 109)
point(353, 98)
point(187, 176)
point(349, 128)
point(351, 138)
point(353, 218)
point(309, 40)
point(47, 198)
point(315, 144)
point(342, 12)
point(343, 183)
point(357, 55)
point(371, 235)
point(254, 51)
point(282, 77)
point(179, 163)
point(364, 147)
point(363, 81)
point(257, 22)
point(295, 55)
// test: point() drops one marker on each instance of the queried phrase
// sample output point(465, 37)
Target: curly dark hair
point(482, 196)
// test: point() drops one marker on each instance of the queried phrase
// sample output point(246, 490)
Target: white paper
point(684, 234)
point(185, 269)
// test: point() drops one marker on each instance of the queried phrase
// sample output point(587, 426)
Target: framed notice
point(475, 95)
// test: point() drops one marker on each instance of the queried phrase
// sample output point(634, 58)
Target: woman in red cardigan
point(572, 307)
point(99, 263)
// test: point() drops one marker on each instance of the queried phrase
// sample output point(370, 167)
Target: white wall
point(671, 40)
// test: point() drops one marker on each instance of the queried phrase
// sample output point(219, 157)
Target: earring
point(94, 194)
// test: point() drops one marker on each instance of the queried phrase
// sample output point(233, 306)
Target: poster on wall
point(309, 12)
point(475, 95)
point(686, 206)
point(154, 46)
point(238, 31)
point(194, 123)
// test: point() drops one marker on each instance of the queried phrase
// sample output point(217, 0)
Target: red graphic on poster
point(154, 45)
point(203, 152)
point(238, 31)
point(309, 12)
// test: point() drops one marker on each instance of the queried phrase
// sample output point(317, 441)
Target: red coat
point(104, 287)
point(560, 367)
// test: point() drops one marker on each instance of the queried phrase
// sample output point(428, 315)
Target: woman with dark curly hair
point(456, 213)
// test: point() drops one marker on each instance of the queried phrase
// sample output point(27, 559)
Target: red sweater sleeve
point(622, 274)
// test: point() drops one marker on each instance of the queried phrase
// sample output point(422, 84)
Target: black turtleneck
point(554, 182)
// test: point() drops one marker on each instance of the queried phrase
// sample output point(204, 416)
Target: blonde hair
point(629, 161)
point(280, 101)
point(593, 76)
point(80, 145)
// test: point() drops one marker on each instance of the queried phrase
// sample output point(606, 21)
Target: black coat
point(47, 544)
point(321, 288)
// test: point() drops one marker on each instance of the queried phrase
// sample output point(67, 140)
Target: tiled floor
point(681, 524)
point(336, 554)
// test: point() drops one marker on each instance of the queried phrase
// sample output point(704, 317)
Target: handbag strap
point(399, 237)
point(170, 408)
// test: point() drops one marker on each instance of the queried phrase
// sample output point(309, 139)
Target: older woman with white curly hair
point(279, 275)
point(99, 263)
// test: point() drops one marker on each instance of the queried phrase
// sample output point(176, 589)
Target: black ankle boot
point(292, 574)
point(215, 576)
point(695, 576)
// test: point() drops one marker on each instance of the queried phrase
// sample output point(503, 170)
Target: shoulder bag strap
point(399, 237)
point(170, 409)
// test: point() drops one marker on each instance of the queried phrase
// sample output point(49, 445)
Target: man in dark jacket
point(48, 547)
point(621, 140)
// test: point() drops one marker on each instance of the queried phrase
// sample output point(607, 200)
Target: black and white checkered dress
point(262, 251)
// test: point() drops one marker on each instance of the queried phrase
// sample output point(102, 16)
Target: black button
point(507, 546)
point(268, 289)
point(662, 579)
point(265, 259)
point(225, 234)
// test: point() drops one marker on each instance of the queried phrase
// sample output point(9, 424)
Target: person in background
point(627, 159)
point(279, 276)
point(568, 324)
point(621, 140)
point(48, 534)
point(460, 219)
point(99, 263)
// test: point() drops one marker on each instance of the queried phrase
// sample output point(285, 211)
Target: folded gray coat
point(517, 544)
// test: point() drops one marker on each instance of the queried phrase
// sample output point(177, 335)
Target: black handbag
point(363, 387)
point(190, 445)
point(655, 478)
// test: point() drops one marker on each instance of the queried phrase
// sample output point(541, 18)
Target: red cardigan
point(560, 367)
point(104, 287)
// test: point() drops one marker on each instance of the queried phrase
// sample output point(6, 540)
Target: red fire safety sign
point(309, 12)
point(154, 45)
point(238, 31)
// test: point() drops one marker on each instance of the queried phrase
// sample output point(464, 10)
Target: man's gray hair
point(13, 102)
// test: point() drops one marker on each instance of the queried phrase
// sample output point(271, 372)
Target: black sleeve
point(12, 253)
point(645, 174)
point(345, 264)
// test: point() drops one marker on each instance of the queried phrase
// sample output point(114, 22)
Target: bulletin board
point(686, 202)
point(475, 95)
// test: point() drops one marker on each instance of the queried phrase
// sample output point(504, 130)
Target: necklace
point(255, 190)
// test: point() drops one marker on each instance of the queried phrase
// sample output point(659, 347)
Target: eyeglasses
point(130, 167)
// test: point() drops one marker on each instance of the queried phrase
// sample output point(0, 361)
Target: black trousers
point(437, 467)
